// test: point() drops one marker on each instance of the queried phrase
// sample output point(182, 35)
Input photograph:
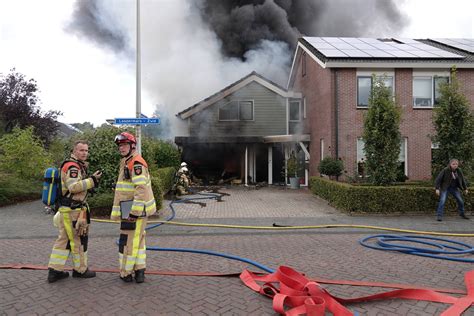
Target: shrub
point(382, 135)
point(14, 189)
point(22, 154)
point(382, 199)
point(331, 167)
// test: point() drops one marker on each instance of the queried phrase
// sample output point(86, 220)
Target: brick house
point(244, 132)
point(333, 76)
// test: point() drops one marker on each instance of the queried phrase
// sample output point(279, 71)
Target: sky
point(88, 82)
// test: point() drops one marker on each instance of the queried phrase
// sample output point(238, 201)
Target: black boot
point(55, 275)
point(463, 216)
point(85, 275)
point(127, 279)
point(140, 276)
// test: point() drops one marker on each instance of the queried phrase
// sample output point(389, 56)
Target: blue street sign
point(137, 121)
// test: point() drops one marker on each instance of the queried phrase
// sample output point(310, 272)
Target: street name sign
point(137, 121)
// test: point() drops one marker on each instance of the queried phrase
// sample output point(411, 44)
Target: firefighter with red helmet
point(74, 216)
point(133, 203)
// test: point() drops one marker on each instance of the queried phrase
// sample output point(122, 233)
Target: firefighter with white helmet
point(133, 204)
point(182, 182)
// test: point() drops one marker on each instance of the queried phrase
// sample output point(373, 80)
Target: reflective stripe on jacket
point(74, 182)
point(137, 188)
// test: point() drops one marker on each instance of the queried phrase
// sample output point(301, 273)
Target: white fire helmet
point(183, 164)
point(184, 169)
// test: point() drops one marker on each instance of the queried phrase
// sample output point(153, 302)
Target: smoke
point(194, 48)
point(93, 21)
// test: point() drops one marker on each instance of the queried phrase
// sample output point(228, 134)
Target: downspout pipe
point(336, 116)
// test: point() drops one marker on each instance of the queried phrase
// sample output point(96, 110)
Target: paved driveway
point(27, 235)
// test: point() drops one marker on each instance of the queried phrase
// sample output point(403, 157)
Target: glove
point(82, 227)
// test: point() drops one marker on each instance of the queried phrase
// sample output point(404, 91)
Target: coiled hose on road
point(438, 248)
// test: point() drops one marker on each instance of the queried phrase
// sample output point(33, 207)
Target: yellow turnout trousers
point(132, 255)
point(69, 242)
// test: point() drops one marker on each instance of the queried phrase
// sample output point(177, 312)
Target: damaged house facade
point(248, 128)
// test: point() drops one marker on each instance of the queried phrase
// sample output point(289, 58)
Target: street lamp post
point(138, 83)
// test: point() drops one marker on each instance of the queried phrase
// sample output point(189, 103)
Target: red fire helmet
point(125, 137)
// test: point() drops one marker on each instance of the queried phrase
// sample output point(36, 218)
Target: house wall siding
point(269, 115)
point(318, 86)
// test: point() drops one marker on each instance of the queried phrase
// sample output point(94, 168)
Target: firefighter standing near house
point(133, 186)
point(74, 216)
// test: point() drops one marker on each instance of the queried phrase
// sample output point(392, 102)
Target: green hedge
point(161, 181)
point(395, 199)
point(14, 189)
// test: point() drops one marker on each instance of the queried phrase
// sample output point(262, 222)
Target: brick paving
point(27, 236)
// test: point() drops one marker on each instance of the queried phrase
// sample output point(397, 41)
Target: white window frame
point(238, 111)
point(432, 76)
point(361, 73)
point(304, 107)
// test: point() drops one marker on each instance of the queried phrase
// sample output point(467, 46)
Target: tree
point(84, 127)
point(454, 127)
point(22, 154)
point(382, 135)
point(18, 107)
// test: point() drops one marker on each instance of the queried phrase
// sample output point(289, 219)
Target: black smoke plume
point(242, 24)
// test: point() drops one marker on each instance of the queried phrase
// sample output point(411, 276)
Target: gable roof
point(342, 52)
point(239, 84)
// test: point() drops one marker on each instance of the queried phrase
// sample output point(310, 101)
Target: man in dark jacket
point(450, 180)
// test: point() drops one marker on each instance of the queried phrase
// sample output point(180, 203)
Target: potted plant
point(292, 168)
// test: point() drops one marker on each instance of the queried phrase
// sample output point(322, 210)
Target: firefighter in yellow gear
point(182, 181)
point(133, 204)
point(74, 217)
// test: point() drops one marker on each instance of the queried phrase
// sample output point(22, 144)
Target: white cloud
point(439, 18)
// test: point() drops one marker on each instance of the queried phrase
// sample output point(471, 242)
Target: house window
point(303, 64)
point(361, 167)
point(321, 149)
point(295, 110)
point(426, 90)
point(361, 158)
point(364, 87)
point(236, 110)
point(229, 111)
point(246, 110)
point(434, 151)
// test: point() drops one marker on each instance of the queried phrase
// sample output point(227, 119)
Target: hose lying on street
point(438, 248)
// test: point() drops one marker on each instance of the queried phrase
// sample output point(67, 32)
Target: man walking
point(133, 203)
point(74, 216)
point(450, 180)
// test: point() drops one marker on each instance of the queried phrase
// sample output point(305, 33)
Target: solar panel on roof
point(332, 53)
point(343, 45)
point(372, 47)
point(465, 44)
point(355, 53)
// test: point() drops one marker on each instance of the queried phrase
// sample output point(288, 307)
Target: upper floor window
point(236, 111)
point(364, 87)
point(426, 90)
point(295, 111)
